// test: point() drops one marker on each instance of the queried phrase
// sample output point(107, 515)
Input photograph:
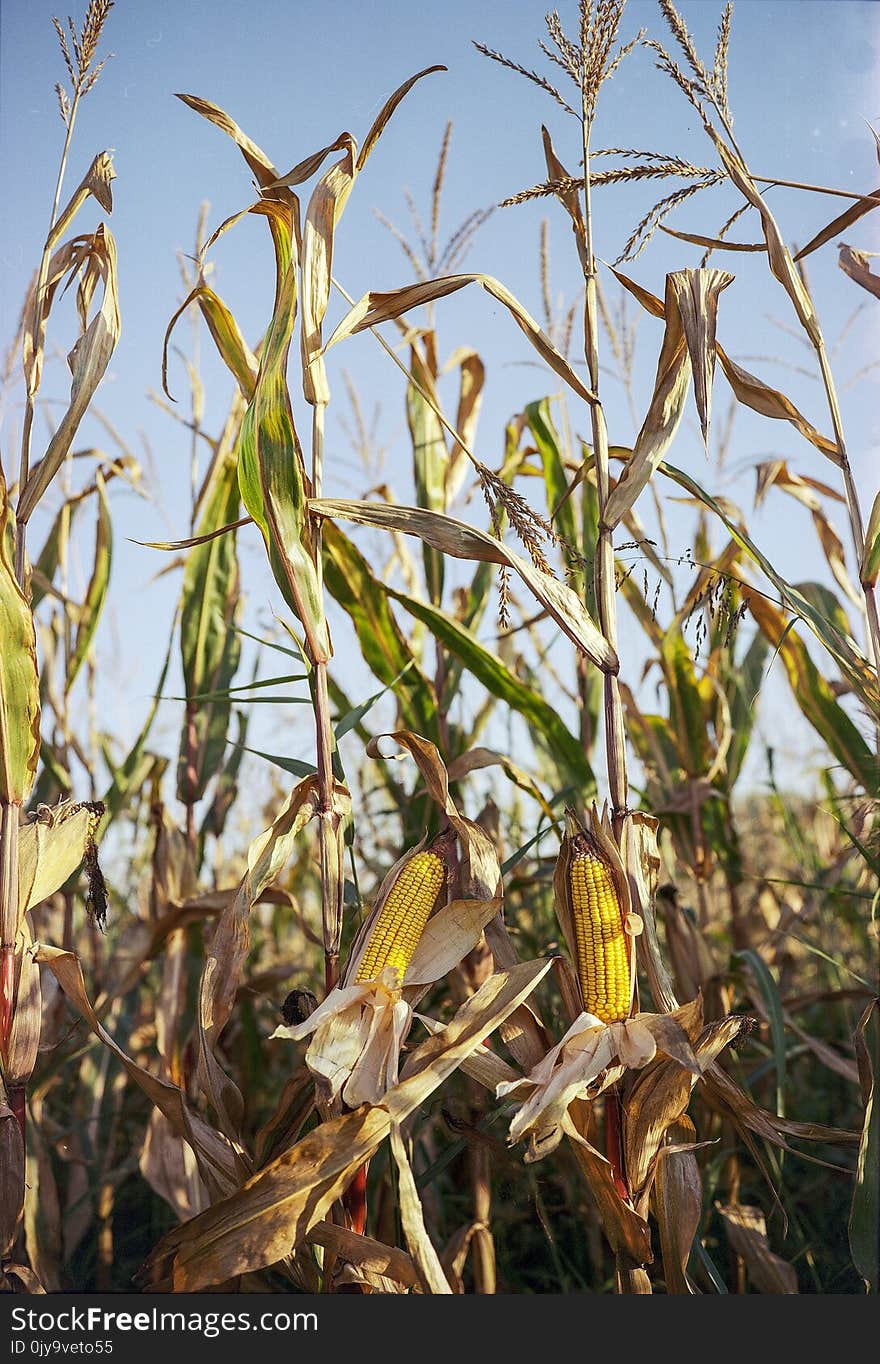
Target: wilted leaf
point(855, 264)
point(424, 1256)
point(747, 1234)
point(664, 414)
point(221, 1165)
point(678, 1199)
point(277, 1208)
point(88, 363)
point(696, 296)
point(271, 472)
point(231, 345)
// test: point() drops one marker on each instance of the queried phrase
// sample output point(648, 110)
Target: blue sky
point(803, 79)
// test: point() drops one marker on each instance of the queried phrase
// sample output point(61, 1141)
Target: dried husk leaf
point(660, 1093)
point(42, 1211)
point(747, 1233)
point(627, 1233)
point(371, 1256)
point(599, 833)
point(643, 864)
point(424, 1256)
point(465, 542)
point(221, 1166)
point(228, 950)
point(12, 1164)
point(49, 852)
point(678, 1200)
point(278, 1207)
point(170, 1168)
point(447, 938)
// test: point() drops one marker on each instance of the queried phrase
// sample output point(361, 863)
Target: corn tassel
point(403, 916)
point(601, 946)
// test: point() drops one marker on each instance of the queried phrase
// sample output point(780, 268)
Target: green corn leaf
point(385, 650)
point(210, 650)
point(271, 471)
point(19, 678)
point(497, 678)
point(96, 593)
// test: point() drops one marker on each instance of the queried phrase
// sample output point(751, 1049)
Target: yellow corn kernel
point(602, 961)
point(403, 916)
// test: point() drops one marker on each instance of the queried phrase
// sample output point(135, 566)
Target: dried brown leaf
point(747, 1233)
point(424, 1256)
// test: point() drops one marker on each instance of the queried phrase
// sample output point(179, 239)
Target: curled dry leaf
point(88, 361)
point(227, 952)
point(664, 414)
point(855, 264)
point(696, 296)
point(366, 1254)
point(747, 1233)
point(277, 1208)
point(221, 1165)
point(749, 390)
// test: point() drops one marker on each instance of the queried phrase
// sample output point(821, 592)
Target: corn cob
point(403, 916)
point(601, 947)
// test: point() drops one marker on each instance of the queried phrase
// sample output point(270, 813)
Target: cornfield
point(512, 963)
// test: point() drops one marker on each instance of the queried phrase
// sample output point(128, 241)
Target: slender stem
point(606, 601)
